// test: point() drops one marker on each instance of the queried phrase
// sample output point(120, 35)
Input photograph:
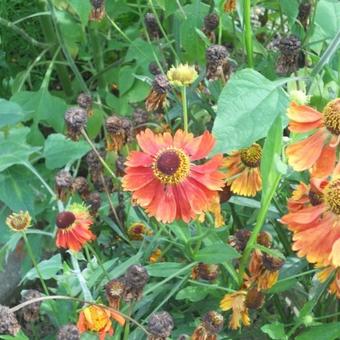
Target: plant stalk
point(248, 33)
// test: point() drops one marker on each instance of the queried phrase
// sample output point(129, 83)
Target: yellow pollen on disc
point(251, 156)
point(331, 116)
point(171, 166)
point(332, 196)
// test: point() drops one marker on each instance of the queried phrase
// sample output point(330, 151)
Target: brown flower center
point(171, 166)
point(251, 156)
point(65, 219)
point(331, 116)
point(332, 196)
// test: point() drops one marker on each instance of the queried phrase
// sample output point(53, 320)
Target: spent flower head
point(19, 221)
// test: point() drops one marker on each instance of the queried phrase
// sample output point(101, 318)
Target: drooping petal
point(334, 256)
point(325, 164)
point(303, 113)
point(304, 154)
point(201, 146)
point(305, 216)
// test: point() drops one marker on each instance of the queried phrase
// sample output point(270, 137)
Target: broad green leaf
point(20, 336)
point(48, 269)
point(271, 153)
point(193, 45)
point(14, 148)
point(192, 293)
point(247, 108)
point(83, 8)
point(17, 192)
point(44, 107)
point(164, 269)
point(10, 113)
point(291, 9)
point(126, 79)
point(58, 150)
point(95, 123)
point(275, 331)
point(327, 331)
point(216, 253)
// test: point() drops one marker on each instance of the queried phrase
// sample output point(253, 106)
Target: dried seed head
point(120, 166)
point(102, 184)
point(160, 325)
point(114, 291)
point(98, 10)
point(85, 101)
point(154, 69)
point(152, 26)
point(30, 312)
point(265, 239)
point(63, 179)
point(239, 239)
point(119, 132)
point(226, 193)
point(68, 332)
point(304, 13)
point(140, 116)
point(290, 45)
point(272, 263)
point(93, 162)
point(8, 323)
point(76, 120)
point(203, 271)
point(213, 322)
point(254, 299)
point(216, 54)
point(94, 201)
point(211, 22)
point(136, 276)
point(97, 3)
point(81, 186)
point(160, 84)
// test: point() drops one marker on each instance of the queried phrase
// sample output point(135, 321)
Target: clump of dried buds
point(75, 120)
point(156, 100)
point(203, 271)
point(63, 184)
point(9, 324)
point(288, 59)
point(119, 132)
point(68, 332)
point(152, 26)
point(85, 102)
point(135, 279)
point(160, 326)
point(94, 202)
point(98, 10)
point(30, 312)
point(81, 187)
point(211, 22)
point(217, 66)
point(212, 324)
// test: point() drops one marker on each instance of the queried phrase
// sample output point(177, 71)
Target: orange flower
point(215, 208)
point(74, 228)
point(155, 256)
point(244, 171)
point(137, 231)
point(236, 302)
point(334, 286)
point(98, 319)
point(316, 225)
point(318, 150)
point(229, 6)
point(164, 179)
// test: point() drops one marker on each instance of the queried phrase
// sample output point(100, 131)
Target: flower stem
point(185, 108)
point(30, 253)
point(99, 261)
point(248, 33)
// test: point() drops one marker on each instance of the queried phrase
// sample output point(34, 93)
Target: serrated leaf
point(247, 108)
point(58, 150)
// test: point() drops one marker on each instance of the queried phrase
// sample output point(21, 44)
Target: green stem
point(99, 261)
point(248, 33)
point(30, 253)
point(185, 108)
point(127, 324)
point(261, 217)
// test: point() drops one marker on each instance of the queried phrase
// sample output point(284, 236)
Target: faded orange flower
point(318, 150)
point(244, 171)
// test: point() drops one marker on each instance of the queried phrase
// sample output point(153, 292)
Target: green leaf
point(58, 151)
point(83, 8)
point(16, 191)
point(19, 336)
point(126, 79)
point(291, 9)
point(275, 331)
point(328, 331)
point(271, 153)
point(10, 113)
point(14, 148)
point(216, 253)
point(164, 269)
point(192, 293)
point(95, 123)
point(191, 42)
point(48, 269)
point(247, 108)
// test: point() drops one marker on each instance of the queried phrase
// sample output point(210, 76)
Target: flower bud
point(160, 325)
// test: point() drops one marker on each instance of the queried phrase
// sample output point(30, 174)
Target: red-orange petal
point(304, 216)
point(137, 158)
point(325, 164)
point(201, 146)
point(303, 113)
point(149, 142)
